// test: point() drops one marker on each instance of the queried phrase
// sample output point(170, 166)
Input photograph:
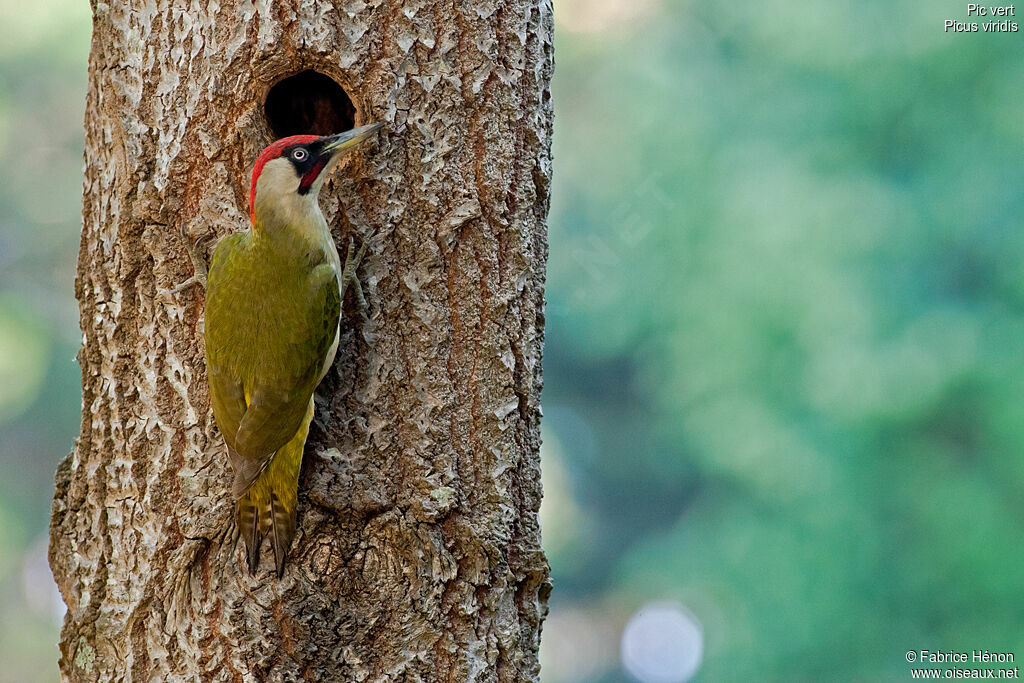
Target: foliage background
point(785, 358)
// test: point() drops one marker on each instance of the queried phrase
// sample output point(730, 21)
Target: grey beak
point(350, 138)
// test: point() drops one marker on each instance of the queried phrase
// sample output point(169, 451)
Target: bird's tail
point(267, 506)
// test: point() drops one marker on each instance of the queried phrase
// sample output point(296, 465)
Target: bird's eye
point(299, 154)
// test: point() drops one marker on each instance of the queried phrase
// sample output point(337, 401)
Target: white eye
point(299, 154)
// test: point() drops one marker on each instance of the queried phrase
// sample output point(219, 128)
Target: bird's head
point(289, 173)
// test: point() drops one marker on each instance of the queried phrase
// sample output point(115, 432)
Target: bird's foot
point(196, 254)
point(349, 276)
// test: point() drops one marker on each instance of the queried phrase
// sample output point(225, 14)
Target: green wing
point(227, 395)
point(281, 387)
point(267, 338)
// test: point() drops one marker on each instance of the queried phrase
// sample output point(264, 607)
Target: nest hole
point(308, 103)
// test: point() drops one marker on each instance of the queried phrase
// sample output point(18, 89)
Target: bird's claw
point(349, 276)
point(198, 259)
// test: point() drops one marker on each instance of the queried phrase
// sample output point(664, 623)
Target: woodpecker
point(273, 311)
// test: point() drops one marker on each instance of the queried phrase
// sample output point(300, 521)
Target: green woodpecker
point(273, 308)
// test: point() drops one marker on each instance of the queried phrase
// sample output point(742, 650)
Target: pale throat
point(279, 209)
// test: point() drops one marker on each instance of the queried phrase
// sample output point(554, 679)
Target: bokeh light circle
point(662, 643)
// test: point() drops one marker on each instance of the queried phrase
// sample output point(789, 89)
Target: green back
point(272, 311)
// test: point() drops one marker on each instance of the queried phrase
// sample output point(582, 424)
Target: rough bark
point(418, 551)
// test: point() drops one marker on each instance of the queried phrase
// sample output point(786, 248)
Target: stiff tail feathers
point(261, 514)
point(266, 498)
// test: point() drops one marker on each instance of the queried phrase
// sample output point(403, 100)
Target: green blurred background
point(784, 373)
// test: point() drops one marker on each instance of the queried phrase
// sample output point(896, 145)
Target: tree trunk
point(418, 554)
